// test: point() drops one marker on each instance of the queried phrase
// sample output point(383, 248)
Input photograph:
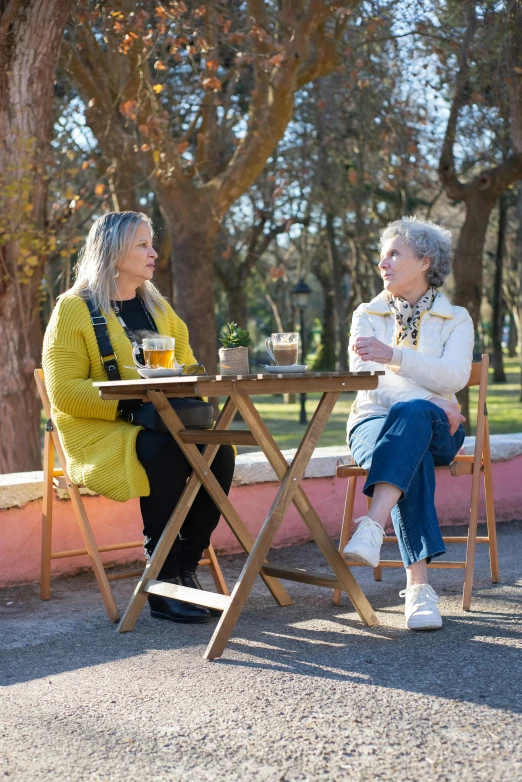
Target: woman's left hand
point(371, 349)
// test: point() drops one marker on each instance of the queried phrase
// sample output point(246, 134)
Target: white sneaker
point(421, 607)
point(365, 544)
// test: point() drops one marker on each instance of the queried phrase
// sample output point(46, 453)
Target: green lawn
point(504, 408)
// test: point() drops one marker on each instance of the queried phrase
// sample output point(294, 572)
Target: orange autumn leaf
point(157, 88)
point(99, 190)
point(212, 83)
point(128, 109)
point(159, 66)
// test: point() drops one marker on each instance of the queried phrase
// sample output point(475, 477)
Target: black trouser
point(167, 470)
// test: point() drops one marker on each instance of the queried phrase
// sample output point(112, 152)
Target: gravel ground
point(301, 693)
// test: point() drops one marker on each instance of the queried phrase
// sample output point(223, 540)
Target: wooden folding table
point(238, 391)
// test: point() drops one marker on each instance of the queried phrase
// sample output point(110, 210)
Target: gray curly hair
point(427, 240)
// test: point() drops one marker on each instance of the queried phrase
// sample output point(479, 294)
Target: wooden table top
point(244, 385)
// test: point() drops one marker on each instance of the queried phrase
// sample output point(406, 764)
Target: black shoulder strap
point(108, 356)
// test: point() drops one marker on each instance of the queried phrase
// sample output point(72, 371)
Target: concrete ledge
point(252, 494)
point(19, 488)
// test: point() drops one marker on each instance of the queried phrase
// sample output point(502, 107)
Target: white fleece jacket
point(439, 366)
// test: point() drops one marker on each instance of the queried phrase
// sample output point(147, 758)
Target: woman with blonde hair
point(106, 452)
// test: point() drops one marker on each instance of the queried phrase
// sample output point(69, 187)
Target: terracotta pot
point(233, 361)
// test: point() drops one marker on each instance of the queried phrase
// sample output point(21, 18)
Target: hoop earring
point(117, 274)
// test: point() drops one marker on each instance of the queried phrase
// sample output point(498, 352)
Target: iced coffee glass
point(283, 348)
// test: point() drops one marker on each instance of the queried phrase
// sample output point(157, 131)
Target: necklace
point(122, 323)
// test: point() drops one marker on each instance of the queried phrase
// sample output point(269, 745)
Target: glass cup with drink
point(158, 353)
point(283, 348)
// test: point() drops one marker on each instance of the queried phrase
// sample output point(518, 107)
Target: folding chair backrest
point(40, 384)
point(479, 377)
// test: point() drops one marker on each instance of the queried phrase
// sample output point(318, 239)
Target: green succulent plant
point(233, 336)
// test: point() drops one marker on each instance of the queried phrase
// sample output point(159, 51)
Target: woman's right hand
point(452, 410)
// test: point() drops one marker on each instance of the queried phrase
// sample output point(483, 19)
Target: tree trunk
point(467, 268)
point(513, 336)
point(237, 305)
point(338, 293)
point(28, 55)
point(325, 361)
point(326, 355)
point(467, 261)
point(193, 231)
point(163, 272)
point(20, 348)
point(499, 308)
point(517, 309)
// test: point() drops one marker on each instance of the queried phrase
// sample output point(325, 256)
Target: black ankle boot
point(190, 579)
point(177, 610)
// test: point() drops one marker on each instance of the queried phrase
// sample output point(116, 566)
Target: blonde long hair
point(108, 242)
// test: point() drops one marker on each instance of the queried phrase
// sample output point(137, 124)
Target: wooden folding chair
point(476, 465)
point(58, 478)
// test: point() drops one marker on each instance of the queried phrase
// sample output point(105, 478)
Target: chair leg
point(47, 517)
point(346, 527)
point(92, 549)
point(216, 571)
point(490, 510)
point(472, 539)
point(377, 571)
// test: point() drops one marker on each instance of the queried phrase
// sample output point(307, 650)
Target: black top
point(137, 326)
point(133, 314)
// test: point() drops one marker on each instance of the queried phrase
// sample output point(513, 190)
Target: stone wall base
point(112, 522)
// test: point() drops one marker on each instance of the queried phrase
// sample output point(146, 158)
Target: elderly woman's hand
point(371, 349)
point(452, 410)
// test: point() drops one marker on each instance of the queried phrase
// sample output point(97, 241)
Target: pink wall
point(114, 522)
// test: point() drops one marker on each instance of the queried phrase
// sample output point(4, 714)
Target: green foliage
point(18, 227)
point(233, 336)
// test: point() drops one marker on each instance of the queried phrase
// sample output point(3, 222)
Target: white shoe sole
point(349, 557)
point(433, 625)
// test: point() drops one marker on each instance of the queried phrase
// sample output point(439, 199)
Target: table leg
point(287, 490)
point(207, 479)
point(307, 511)
point(174, 524)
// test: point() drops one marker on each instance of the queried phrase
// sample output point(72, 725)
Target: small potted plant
point(233, 356)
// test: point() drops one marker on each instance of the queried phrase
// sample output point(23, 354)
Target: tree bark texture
point(193, 231)
point(467, 259)
point(30, 36)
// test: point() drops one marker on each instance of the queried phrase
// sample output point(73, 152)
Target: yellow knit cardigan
point(99, 446)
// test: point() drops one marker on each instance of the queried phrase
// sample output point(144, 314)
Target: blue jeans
point(403, 448)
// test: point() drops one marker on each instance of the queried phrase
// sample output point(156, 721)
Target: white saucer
point(294, 369)
point(150, 374)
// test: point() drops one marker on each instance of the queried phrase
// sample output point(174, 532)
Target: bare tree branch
point(452, 185)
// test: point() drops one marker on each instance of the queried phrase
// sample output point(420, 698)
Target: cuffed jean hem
point(403, 449)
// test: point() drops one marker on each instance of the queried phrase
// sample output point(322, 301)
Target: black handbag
point(193, 412)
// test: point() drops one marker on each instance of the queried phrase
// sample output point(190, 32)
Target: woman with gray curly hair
point(411, 423)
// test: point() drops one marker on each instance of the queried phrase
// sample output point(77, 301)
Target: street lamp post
point(300, 294)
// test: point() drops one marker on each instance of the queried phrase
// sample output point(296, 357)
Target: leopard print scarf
point(407, 318)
